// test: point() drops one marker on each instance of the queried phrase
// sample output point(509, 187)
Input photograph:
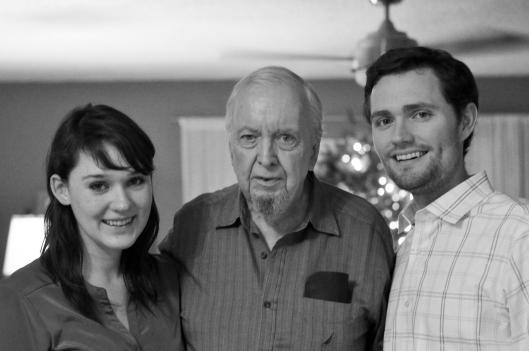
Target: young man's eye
point(422, 115)
point(98, 187)
point(380, 121)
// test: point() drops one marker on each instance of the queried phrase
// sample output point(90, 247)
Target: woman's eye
point(98, 187)
point(135, 181)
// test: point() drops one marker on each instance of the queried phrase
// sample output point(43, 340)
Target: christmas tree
point(351, 163)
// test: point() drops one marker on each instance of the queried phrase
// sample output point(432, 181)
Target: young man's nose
point(401, 132)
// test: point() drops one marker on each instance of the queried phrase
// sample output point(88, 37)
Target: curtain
point(206, 164)
point(501, 148)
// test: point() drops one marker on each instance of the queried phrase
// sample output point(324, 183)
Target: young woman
point(95, 286)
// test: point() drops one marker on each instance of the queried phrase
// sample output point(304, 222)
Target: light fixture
point(376, 43)
point(24, 241)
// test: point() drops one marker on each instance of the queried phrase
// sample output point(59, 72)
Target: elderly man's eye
point(287, 140)
point(247, 139)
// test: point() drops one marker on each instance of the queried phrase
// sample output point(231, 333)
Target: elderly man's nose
point(267, 152)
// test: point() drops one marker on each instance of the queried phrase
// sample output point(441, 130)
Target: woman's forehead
point(105, 156)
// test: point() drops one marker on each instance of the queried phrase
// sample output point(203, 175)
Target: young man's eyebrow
point(380, 113)
point(418, 106)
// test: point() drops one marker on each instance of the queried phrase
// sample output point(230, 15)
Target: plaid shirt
point(462, 274)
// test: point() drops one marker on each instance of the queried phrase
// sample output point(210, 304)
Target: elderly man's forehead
point(254, 90)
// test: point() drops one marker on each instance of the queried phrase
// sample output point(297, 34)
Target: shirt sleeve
point(184, 238)
point(383, 259)
point(517, 293)
point(20, 326)
point(169, 245)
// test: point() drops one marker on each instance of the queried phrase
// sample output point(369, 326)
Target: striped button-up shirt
point(323, 287)
point(462, 274)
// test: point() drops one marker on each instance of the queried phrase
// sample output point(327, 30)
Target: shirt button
point(267, 304)
point(255, 235)
point(264, 255)
point(407, 303)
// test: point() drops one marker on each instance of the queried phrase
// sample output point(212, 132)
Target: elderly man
point(461, 277)
point(280, 261)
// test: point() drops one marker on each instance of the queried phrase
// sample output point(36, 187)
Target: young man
point(461, 277)
point(280, 261)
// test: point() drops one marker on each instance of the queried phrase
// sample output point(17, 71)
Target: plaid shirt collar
point(320, 216)
point(453, 205)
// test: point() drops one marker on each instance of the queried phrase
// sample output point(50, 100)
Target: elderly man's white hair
point(273, 75)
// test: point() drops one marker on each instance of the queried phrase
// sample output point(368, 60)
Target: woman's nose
point(121, 200)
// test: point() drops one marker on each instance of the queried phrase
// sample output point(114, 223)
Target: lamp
point(376, 43)
point(24, 241)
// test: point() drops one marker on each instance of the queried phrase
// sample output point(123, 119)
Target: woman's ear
point(468, 120)
point(60, 190)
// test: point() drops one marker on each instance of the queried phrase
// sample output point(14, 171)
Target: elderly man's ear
point(468, 121)
point(314, 156)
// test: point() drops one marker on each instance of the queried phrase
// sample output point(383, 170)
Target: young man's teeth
point(409, 156)
point(118, 222)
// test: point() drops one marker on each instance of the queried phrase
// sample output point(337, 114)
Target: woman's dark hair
point(458, 85)
point(87, 130)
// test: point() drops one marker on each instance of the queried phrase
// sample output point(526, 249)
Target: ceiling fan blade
point(269, 55)
point(493, 41)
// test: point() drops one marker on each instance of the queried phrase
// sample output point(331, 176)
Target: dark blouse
point(35, 316)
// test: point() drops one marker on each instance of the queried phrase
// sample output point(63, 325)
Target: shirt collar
point(229, 213)
point(455, 204)
point(320, 214)
point(406, 218)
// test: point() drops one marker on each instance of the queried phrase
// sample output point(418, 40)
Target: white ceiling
point(55, 40)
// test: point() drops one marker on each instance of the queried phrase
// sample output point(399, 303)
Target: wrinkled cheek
point(242, 166)
point(295, 173)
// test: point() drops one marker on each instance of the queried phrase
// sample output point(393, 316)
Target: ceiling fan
point(387, 37)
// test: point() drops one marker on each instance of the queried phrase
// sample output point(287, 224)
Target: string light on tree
point(351, 164)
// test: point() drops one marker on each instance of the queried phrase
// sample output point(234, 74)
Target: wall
point(30, 113)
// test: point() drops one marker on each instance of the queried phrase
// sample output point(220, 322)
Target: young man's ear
point(60, 190)
point(468, 120)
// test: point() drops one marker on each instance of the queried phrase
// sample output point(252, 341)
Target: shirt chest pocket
point(328, 325)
